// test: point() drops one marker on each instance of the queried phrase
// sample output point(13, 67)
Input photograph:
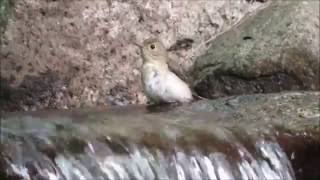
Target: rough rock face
point(276, 50)
point(63, 54)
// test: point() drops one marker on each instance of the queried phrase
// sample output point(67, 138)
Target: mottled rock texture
point(276, 50)
point(65, 54)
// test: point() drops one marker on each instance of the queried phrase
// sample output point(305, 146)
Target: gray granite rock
point(275, 50)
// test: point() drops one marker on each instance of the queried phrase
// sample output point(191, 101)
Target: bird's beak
point(140, 46)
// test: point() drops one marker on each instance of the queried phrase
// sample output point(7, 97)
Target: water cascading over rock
point(246, 137)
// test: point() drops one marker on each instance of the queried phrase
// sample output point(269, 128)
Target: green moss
point(6, 8)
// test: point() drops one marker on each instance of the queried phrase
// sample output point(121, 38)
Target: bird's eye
point(152, 46)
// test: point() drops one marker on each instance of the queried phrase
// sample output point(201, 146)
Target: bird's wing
point(179, 71)
point(182, 74)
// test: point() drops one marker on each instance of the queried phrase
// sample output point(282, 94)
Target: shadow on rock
point(34, 92)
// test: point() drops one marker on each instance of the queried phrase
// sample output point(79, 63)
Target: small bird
point(161, 85)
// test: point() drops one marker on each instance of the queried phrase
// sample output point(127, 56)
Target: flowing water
point(39, 157)
point(170, 143)
point(43, 150)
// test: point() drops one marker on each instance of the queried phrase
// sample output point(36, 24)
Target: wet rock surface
point(255, 137)
point(273, 51)
point(90, 46)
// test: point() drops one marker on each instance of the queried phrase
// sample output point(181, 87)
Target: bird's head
point(154, 50)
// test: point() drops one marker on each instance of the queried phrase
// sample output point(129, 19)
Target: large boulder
point(69, 54)
point(275, 50)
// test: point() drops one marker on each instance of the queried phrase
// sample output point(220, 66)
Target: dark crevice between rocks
point(32, 91)
point(225, 84)
point(183, 44)
point(303, 151)
point(260, 1)
point(247, 38)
